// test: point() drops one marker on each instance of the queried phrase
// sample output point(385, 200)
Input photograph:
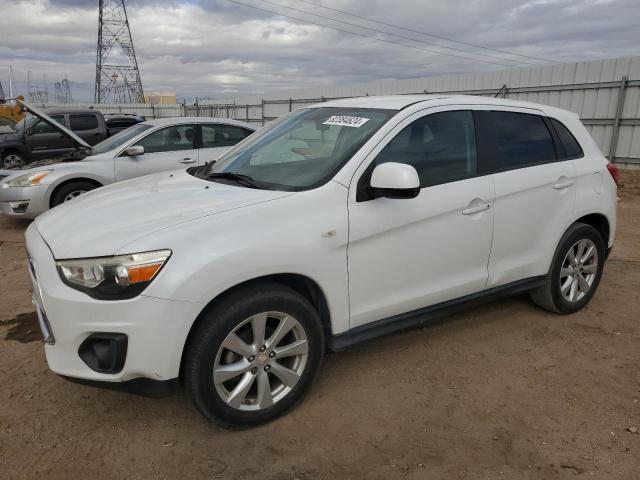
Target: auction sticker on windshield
point(346, 121)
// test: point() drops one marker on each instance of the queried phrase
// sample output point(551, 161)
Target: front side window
point(441, 147)
point(522, 140)
point(80, 122)
point(120, 138)
point(571, 146)
point(169, 139)
point(41, 127)
point(218, 135)
point(301, 150)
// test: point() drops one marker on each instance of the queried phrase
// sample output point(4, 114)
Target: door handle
point(478, 209)
point(187, 160)
point(563, 185)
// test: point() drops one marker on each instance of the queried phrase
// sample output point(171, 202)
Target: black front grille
point(3, 176)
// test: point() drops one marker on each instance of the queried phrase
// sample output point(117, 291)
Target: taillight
point(613, 170)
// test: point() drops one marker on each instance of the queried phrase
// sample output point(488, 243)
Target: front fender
point(304, 234)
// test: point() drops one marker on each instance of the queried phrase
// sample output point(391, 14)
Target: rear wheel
point(254, 356)
point(70, 191)
point(575, 272)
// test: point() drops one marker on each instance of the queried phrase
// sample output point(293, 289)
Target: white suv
point(334, 224)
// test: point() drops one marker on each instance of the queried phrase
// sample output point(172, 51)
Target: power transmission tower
point(117, 74)
point(66, 91)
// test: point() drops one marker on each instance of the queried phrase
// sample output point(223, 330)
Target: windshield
point(120, 138)
point(301, 150)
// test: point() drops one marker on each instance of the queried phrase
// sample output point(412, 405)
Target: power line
point(469, 44)
point(476, 60)
point(402, 37)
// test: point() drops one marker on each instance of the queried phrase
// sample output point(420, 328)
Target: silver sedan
point(148, 147)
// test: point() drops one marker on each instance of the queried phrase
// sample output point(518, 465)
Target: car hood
point(47, 119)
point(103, 221)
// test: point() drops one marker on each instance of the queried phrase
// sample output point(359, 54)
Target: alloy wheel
point(260, 361)
point(578, 270)
point(74, 194)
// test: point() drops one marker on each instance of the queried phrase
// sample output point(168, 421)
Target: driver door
point(406, 254)
point(168, 148)
point(44, 141)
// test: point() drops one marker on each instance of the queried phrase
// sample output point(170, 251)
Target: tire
point(553, 295)
point(11, 158)
point(71, 190)
point(215, 395)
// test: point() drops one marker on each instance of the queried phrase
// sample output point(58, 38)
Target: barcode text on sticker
point(346, 121)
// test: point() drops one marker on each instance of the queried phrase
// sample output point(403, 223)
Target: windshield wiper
point(245, 180)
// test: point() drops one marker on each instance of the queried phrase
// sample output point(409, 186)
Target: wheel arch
point(71, 180)
point(600, 223)
point(301, 284)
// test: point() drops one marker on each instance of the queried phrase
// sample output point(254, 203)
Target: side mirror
point(134, 151)
point(395, 180)
point(29, 131)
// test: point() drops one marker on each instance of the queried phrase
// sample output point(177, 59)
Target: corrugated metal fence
point(605, 93)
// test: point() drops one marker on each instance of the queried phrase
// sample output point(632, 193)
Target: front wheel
point(70, 191)
point(253, 356)
point(575, 272)
point(12, 158)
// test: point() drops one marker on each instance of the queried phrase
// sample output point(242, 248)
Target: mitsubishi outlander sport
point(332, 225)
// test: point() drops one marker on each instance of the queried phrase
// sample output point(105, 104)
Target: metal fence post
point(197, 108)
point(246, 113)
point(290, 103)
point(622, 90)
point(263, 112)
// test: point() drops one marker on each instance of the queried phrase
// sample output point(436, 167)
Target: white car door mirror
point(134, 151)
point(395, 180)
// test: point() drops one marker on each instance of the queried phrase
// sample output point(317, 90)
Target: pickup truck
point(32, 139)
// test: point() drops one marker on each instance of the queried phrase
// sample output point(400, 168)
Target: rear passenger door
point(87, 127)
point(535, 193)
point(217, 138)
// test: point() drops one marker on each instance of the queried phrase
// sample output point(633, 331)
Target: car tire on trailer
point(253, 356)
point(70, 191)
point(575, 272)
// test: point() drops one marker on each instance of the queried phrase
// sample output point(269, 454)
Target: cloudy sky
point(220, 49)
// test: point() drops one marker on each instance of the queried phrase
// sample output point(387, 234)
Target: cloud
point(219, 49)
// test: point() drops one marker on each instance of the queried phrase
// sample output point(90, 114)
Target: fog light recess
point(104, 352)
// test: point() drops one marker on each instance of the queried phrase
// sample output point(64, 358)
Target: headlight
point(113, 278)
point(29, 180)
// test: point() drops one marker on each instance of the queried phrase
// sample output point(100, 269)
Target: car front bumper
point(23, 202)
point(156, 329)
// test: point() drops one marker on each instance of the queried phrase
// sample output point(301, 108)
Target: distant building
point(160, 97)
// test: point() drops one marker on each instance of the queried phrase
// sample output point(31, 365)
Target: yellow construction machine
point(11, 112)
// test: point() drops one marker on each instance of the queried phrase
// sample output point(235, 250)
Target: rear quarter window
point(569, 143)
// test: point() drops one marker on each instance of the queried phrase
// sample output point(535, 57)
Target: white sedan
point(148, 147)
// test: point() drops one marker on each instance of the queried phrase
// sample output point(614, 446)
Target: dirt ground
point(501, 391)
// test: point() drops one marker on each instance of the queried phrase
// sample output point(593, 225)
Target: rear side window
point(83, 122)
point(571, 146)
point(522, 140)
point(219, 135)
point(441, 147)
